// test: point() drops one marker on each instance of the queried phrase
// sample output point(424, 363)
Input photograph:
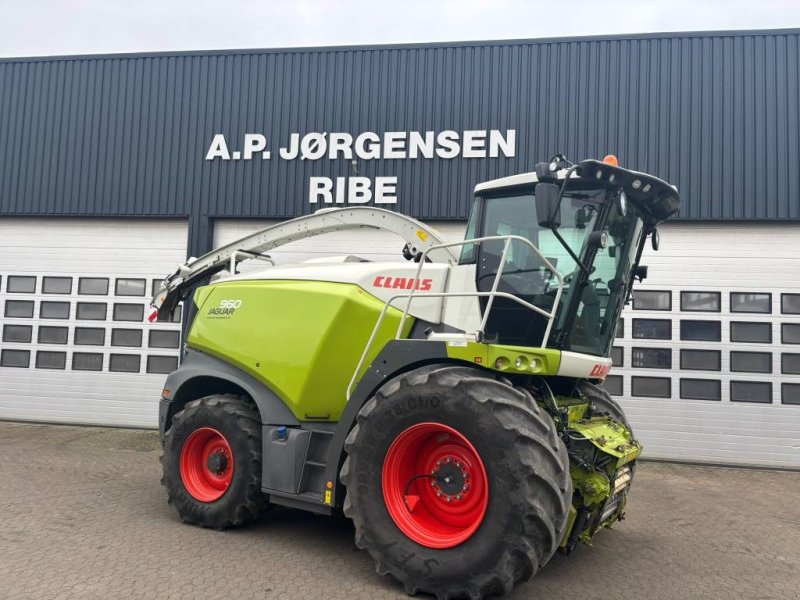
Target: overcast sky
point(52, 27)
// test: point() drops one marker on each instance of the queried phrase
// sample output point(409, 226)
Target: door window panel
point(613, 385)
point(790, 333)
point(126, 337)
point(53, 335)
point(790, 363)
point(129, 312)
point(652, 329)
point(652, 300)
point(617, 356)
point(754, 333)
point(54, 310)
point(57, 285)
point(20, 309)
point(701, 389)
point(15, 358)
point(20, 284)
point(125, 363)
point(130, 287)
point(701, 331)
point(162, 364)
point(162, 338)
point(91, 311)
point(751, 303)
point(87, 361)
point(17, 333)
point(790, 393)
point(93, 286)
point(700, 301)
point(46, 359)
point(751, 391)
point(651, 358)
point(90, 336)
point(651, 387)
point(751, 362)
point(701, 360)
point(790, 304)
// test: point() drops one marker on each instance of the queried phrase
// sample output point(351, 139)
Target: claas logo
point(402, 283)
point(600, 371)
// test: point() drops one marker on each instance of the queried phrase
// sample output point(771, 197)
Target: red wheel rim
point(206, 464)
point(434, 485)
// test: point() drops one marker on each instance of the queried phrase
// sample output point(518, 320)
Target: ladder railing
point(410, 296)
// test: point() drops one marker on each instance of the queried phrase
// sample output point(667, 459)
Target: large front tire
point(417, 442)
point(212, 462)
point(602, 403)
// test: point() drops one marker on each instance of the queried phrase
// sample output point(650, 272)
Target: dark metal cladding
point(714, 113)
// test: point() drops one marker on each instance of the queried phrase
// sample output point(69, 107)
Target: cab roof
point(657, 199)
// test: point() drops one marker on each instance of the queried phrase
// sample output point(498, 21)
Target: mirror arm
point(639, 251)
point(557, 206)
point(554, 229)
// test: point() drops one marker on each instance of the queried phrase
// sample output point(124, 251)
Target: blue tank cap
point(282, 433)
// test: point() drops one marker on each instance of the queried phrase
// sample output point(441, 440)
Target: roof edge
point(407, 46)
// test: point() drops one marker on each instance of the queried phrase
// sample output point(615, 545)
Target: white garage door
point(75, 345)
point(708, 361)
point(371, 244)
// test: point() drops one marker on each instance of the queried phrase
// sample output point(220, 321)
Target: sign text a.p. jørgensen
point(368, 145)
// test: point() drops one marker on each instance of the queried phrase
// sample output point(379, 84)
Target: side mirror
point(655, 239)
point(547, 213)
point(640, 273)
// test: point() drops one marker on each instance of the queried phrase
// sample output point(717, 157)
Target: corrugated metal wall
point(716, 114)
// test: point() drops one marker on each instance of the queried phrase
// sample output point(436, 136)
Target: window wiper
point(574, 256)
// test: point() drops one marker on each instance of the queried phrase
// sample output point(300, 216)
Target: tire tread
point(546, 479)
point(253, 502)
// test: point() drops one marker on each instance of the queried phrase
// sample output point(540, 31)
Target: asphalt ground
point(82, 515)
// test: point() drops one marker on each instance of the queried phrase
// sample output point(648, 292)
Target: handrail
point(508, 239)
point(410, 296)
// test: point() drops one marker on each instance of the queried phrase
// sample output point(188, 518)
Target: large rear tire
point(212, 462)
point(416, 445)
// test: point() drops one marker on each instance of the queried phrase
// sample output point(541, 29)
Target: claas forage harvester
point(449, 402)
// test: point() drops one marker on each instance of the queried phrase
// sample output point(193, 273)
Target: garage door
point(708, 356)
point(373, 245)
point(75, 346)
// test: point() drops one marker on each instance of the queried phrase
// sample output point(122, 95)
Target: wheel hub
point(217, 462)
point(434, 485)
point(450, 478)
point(206, 464)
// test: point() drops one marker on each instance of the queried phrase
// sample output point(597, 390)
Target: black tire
point(527, 468)
point(238, 421)
point(603, 403)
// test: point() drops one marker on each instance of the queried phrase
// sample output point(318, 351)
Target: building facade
point(113, 169)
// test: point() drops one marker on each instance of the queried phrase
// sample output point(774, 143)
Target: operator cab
point(589, 223)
